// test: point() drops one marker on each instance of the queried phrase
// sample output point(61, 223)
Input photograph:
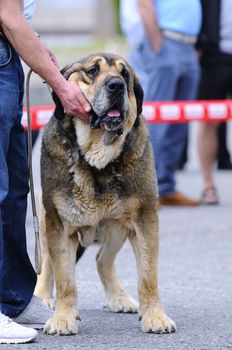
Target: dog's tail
point(80, 252)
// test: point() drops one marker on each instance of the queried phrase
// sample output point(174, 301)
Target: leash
point(31, 180)
point(38, 260)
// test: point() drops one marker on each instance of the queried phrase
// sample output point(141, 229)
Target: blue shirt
point(182, 16)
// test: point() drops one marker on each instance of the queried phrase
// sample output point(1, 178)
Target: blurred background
point(93, 17)
point(73, 29)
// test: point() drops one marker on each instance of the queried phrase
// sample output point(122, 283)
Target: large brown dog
point(99, 186)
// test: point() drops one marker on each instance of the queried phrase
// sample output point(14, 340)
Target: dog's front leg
point(63, 254)
point(117, 299)
point(145, 243)
point(45, 280)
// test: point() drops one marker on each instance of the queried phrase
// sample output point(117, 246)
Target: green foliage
point(116, 5)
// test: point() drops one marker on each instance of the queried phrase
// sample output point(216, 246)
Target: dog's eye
point(125, 74)
point(92, 72)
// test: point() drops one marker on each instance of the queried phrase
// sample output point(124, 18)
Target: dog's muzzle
point(113, 114)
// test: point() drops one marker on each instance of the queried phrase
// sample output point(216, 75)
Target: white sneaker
point(13, 333)
point(35, 315)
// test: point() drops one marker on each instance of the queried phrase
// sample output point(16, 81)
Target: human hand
point(157, 41)
point(74, 101)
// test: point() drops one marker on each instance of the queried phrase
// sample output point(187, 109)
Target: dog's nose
point(115, 85)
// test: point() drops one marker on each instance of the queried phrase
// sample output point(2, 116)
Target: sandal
point(210, 196)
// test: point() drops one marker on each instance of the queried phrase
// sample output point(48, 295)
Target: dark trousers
point(17, 276)
point(216, 83)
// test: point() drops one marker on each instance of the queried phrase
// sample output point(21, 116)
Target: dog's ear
point(138, 91)
point(59, 109)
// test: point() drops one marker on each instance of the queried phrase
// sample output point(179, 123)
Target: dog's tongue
point(113, 113)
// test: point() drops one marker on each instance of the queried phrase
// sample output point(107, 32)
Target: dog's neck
point(93, 147)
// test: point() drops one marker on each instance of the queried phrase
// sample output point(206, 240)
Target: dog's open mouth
point(110, 120)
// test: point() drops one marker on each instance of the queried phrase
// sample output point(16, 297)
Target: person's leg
point(207, 144)
point(187, 90)
point(213, 85)
point(17, 277)
point(168, 81)
point(207, 147)
point(162, 73)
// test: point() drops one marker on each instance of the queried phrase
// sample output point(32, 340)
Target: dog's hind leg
point(62, 243)
point(45, 280)
point(145, 244)
point(117, 299)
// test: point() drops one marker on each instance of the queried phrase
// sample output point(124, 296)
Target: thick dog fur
point(99, 186)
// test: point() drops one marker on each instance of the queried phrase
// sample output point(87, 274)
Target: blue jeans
point(17, 276)
point(172, 74)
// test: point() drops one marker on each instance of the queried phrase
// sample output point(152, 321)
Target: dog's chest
point(95, 196)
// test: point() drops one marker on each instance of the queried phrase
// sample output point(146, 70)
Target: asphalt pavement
point(195, 280)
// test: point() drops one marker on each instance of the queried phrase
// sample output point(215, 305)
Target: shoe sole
point(17, 341)
point(33, 325)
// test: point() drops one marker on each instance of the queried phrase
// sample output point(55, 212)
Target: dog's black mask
point(94, 119)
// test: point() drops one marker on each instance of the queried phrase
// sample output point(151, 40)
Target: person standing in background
point(171, 64)
point(17, 276)
point(215, 46)
point(133, 29)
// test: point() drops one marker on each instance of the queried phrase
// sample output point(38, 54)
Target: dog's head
point(115, 95)
point(110, 85)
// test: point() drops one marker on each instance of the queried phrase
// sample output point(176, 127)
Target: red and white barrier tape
point(157, 112)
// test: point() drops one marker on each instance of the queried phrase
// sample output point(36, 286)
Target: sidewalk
point(195, 275)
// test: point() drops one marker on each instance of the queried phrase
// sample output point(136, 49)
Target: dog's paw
point(156, 321)
point(122, 303)
point(51, 303)
point(61, 325)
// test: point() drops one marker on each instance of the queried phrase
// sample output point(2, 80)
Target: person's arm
point(150, 22)
point(33, 52)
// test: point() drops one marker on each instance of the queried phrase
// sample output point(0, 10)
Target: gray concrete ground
point(195, 279)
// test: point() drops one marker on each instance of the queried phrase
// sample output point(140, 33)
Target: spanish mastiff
point(99, 186)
